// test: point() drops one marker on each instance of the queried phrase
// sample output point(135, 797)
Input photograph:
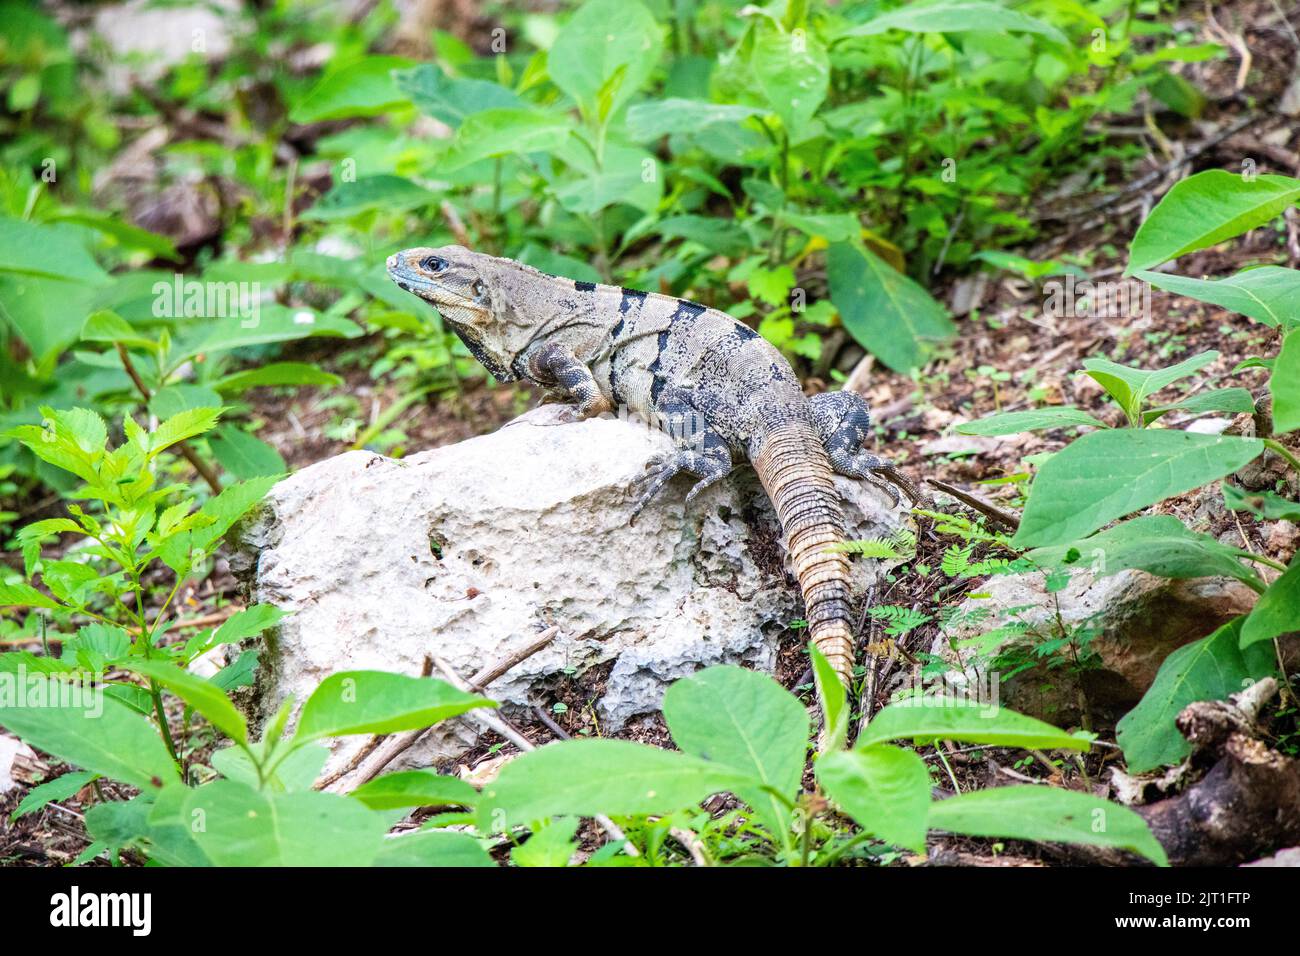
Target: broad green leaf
point(925, 721)
point(955, 16)
point(245, 455)
point(415, 788)
point(550, 845)
point(204, 697)
point(20, 594)
point(270, 322)
point(242, 672)
point(1159, 544)
point(1278, 610)
point(1131, 386)
point(277, 373)
point(503, 132)
point(382, 191)
point(793, 71)
point(118, 824)
point(885, 789)
point(375, 702)
point(296, 772)
point(364, 87)
point(1235, 400)
point(47, 313)
point(833, 700)
point(433, 848)
point(885, 311)
point(60, 788)
point(170, 839)
point(127, 235)
point(656, 118)
point(1269, 294)
point(252, 620)
point(107, 326)
point(1212, 668)
point(620, 179)
point(232, 504)
point(452, 100)
point(104, 736)
point(54, 252)
point(182, 425)
point(1008, 423)
point(236, 825)
point(604, 54)
point(174, 399)
point(1106, 475)
point(1284, 383)
point(1047, 815)
point(723, 236)
point(749, 723)
point(1263, 504)
point(590, 777)
point(1206, 209)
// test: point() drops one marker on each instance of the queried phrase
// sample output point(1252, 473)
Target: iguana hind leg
point(701, 452)
point(844, 422)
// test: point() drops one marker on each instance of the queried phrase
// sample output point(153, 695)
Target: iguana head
point(484, 299)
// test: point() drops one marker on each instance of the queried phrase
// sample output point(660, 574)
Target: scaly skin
point(720, 389)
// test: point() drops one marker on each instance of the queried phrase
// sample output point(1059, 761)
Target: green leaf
point(833, 699)
point(1284, 383)
point(885, 789)
point(656, 118)
point(452, 100)
point(886, 312)
point(1008, 423)
point(296, 772)
point(1048, 815)
point(46, 313)
point(793, 71)
point(55, 252)
point(182, 425)
point(1278, 610)
point(1158, 544)
point(955, 16)
point(127, 235)
point(1235, 400)
point(106, 326)
point(252, 620)
point(925, 721)
point(104, 736)
point(1213, 668)
point(749, 723)
point(1106, 475)
point(1206, 209)
point(60, 788)
point(174, 399)
point(236, 825)
point(1131, 386)
point(232, 504)
point(502, 132)
point(203, 696)
point(590, 777)
point(269, 322)
point(277, 373)
point(364, 87)
point(722, 236)
point(433, 848)
point(19, 594)
point(604, 54)
point(245, 455)
point(375, 702)
point(383, 191)
point(1269, 294)
point(415, 788)
point(242, 672)
point(551, 845)
point(1263, 504)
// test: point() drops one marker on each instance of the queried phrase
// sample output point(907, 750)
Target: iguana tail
point(796, 474)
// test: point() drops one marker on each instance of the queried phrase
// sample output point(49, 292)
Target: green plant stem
point(1275, 446)
point(943, 759)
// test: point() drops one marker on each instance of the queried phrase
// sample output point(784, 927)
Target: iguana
point(720, 389)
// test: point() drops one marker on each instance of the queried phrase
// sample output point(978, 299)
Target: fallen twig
point(1005, 519)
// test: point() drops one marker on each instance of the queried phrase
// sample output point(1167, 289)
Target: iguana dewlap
point(718, 388)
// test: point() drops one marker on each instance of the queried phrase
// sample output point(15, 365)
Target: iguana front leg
point(559, 370)
point(844, 421)
point(701, 452)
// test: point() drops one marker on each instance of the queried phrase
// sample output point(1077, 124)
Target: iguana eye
point(433, 264)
